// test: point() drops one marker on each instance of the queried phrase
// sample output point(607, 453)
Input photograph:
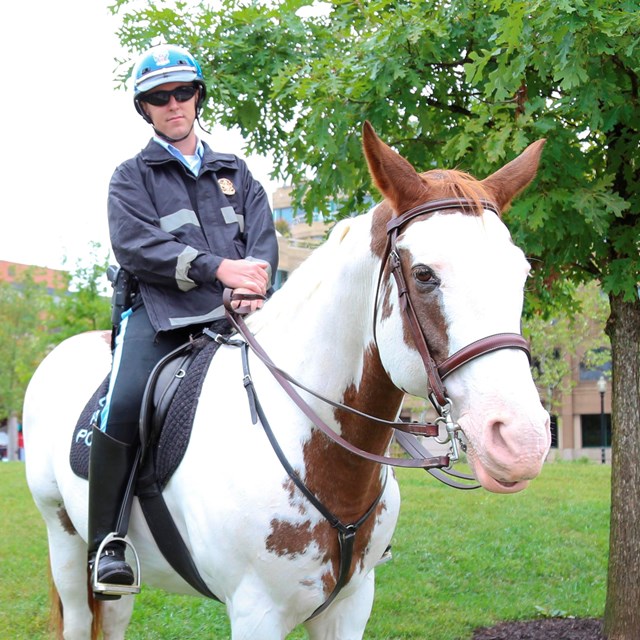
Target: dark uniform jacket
point(172, 230)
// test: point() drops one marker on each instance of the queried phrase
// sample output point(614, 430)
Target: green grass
point(461, 560)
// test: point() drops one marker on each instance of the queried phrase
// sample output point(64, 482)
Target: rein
point(286, 381)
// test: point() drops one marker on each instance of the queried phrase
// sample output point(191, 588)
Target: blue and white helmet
point(165, 63)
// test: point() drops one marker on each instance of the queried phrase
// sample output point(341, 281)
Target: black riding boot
point(110, 472)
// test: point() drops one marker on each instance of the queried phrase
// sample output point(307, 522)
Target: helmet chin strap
point(164, 136)
point(172, 140)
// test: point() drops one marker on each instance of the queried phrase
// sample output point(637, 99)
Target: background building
point(296, 238)
point(56, 280)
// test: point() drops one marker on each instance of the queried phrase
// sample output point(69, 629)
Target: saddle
point(168, 409)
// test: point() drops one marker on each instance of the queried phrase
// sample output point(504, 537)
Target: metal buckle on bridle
point(451, 429)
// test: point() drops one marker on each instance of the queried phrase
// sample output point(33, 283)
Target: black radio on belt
point(124, 291)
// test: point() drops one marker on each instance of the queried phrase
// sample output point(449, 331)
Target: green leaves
point(33, 319)
point(24, 306)
point(466, 84)
point(478, 61)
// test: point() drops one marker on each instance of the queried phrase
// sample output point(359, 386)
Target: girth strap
point(164, 529)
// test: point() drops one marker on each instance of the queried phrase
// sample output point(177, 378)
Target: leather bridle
point(436, 373)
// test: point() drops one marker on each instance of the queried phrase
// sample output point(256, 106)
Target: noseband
point(436, 373)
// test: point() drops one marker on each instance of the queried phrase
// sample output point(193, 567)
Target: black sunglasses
point(161, 98)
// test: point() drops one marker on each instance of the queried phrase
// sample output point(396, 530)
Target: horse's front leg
point(346, 618)
point(258, 611)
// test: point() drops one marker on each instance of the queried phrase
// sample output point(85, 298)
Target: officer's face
point(175, 117)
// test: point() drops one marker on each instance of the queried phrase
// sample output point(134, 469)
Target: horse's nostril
point(496, 438)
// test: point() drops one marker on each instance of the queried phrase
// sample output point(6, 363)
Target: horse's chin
point(495, 485)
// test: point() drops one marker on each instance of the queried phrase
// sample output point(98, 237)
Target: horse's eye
point(424, 275)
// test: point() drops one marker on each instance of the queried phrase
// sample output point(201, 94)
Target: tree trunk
point(622, 611)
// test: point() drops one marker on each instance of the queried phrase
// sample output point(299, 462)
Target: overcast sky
point(66, 128)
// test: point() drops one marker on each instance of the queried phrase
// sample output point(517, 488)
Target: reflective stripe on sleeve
point(179, 219)
point(183, 264)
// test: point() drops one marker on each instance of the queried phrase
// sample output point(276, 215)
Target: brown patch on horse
point(290, 487)
point(56, 614)
point(429, 313)
point(359, 479)
point(380, 216)
point(451, 183)
point(345, 483)
point(65, 521)
point(290, 539)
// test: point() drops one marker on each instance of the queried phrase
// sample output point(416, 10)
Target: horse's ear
point(506, 183)
point(394, 177)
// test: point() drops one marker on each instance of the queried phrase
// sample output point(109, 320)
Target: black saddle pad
point(173, 439)
point(81, 439)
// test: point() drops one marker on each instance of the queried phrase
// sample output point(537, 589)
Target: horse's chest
point(261, 525)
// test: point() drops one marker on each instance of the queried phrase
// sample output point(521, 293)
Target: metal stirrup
point(108, 588)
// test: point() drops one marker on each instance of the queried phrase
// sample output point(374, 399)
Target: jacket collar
point(154, 153)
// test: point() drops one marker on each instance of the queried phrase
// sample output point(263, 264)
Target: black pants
point(138, 349)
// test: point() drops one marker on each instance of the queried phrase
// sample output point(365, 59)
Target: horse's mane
point(451, 183)
point(315, 271)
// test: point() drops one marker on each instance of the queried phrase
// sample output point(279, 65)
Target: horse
point(254, 515)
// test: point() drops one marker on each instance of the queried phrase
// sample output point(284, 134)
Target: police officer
point(185, 222)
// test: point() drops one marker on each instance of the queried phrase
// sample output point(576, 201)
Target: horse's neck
point(319, 328)
point(321, 321)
